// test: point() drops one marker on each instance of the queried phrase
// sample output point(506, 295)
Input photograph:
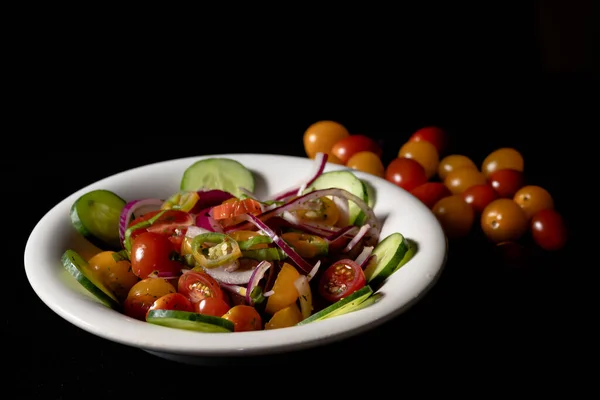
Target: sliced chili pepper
point(269, 254)
point(222, 249)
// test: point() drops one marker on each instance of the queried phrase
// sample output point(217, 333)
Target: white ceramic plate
point(54, 234)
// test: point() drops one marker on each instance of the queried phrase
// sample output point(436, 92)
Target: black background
point(93, 105)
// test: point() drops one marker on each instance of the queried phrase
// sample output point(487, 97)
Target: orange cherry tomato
point(533, 198)
point(244, 318)
point(453, 162)
point(479, 196)
point(506, 182)
point(321, 136)
point(463, 178)
point(405, 173)
point(430, 192)
point(367, 161)
point(422, 152)
point(345, 148)
point(432, 134)
point(505, 157)
point(455, 215)
point(503, 220)
point(142, 295)
point(171, 301)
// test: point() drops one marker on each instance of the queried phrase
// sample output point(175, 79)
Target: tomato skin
point(502, 158)
point(171, 301)
point(142, 295)
point(198, 285)
point(367, 161)
point(548, 229)
point(479, 196)
point(533, 198)
point(211, 306)
point(463, 178)
point(432, 134)
point(244, 317)
point(171, 222)
point(455, 215)
point(151, 253)
point(424, 153)
point(430, 192)
point(116, 274)
point(341, 279)
point(453, 162)
point(503, 220)
point(345, 148)
point(506, 182)
point(321, 136)
point(405, 173)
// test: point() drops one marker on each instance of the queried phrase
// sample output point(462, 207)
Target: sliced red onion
point(133, 207)
point(237, 289)
point(305, 295)
point(257, 275)
point(205, 221)
point(314, 271)
point(364, 255)
point(361, 233)
point(290, 252)
point(296, 190)
point(238, 272)
point(344, 210)
point(193, 231)
point(210, 198)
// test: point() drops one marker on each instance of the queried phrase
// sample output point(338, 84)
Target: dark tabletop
point(484, 311)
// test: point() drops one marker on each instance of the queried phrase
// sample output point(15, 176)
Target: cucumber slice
point(80, 270)
point(342, 179)
point(190, 321)
point(389, 253)
point(374, 298)
point(369, 193)
point(95, 215)
point(217, 173)
point(342, 306)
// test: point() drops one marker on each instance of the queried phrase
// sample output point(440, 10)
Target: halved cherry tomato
point(245, 237)
point(244, 318)
point(153, 254)
point(322, 210)
point(172, 301)
point(211, 306)
point(198, 285)
point(170, 223)
point(306, 245)
point(341, 279)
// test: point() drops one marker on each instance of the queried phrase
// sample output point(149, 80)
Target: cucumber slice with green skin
point(342, 306)
point(410, 253)
point(190, 321)
point(342, 179)
point(80, 270)
point(218, 173)
point(374, 298)
point(95, 215)
point(389, 253)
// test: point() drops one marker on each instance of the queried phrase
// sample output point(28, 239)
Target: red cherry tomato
point(212, 306)
point(341, 279)
point(430, 192)
point(198, 285)
point(244, 317)
point(548, 229)
point(506, 182)
point(142, 295)
point(479, 196)
point(171, 301)
point(432, 134)
point(172, 223)
point(151, 255)
point(406, 173)
point(346, 147)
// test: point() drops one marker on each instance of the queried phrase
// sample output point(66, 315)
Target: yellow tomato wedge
point(284, 289)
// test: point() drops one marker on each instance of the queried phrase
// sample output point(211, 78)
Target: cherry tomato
point(533, 198)
point(171, 301)
point(506, 182)
point(322, 210)
point(211, 306)
point(341, 279)
point(406, 173)
point(502, 158)
point(321, 136)
point(430, 192)
point(244, 318)
point(453, 162)
point(422, 152)
point(455, 216)
point(479, 196)
point(548, 229)
point(151, 254)
point(171, 223)
point(367, 161)
point(198, 285)
point(503, 220)
point(463, 178)
point(432, 134)
point(114, 272)
point(346, 147)
point(142, 295)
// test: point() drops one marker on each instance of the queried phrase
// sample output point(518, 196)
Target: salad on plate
point(214, 257)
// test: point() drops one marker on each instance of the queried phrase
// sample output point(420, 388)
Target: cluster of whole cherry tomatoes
point(462, 195)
